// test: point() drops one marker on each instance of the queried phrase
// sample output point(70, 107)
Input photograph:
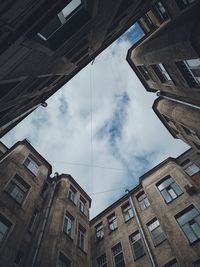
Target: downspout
point(177, 101)
point(150, 254)
point(20, 116)
point(45, 220)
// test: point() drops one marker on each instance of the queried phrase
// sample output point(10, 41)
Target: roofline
point(106, 210)
point(27, 144)
point(63, 175)
point(154, 107)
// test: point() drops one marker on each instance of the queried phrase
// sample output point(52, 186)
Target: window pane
point(177, 189)
point(71, 7)
point(165, 183)
point(186, 217)
point(167, 197)
point(189, 233)
point(193, 63)
point(196, 229)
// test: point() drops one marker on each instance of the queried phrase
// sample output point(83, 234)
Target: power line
point(111, 190)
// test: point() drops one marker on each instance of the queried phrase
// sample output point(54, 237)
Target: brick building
point(167, 61)
point(43, 44)
point(44, 220)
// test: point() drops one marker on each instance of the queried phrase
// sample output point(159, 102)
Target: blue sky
point(100, 127)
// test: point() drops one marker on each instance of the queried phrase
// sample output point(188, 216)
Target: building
point(167, 208)
point(44, 220)
point(44, 44)
point(167, 61)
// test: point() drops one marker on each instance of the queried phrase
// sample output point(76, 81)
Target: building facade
point(44, 220)
point(167, 207)
point(43, 44)
point(167, 61)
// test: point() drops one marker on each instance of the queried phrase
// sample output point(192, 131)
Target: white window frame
point(68, 225)
point(72, 193)
point(127, 212)
point(99, 231)
point(32, 165)
point(112, 221)
point(81, 237)
point(189, 167)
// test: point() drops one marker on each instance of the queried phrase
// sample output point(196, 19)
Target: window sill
point(160, 243)
point(129, 220)
point(111, 231)
point(20, 204)
point(99, 240)
point(68, 237)
point(71, 201)
point(135, 259)
point(194, 243)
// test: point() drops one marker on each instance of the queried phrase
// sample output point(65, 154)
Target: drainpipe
point(45, 220)
point(150, 254)
point(20, 116)
point(177, 101)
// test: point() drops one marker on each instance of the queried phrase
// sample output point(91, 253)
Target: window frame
point(81, 238)
point(6, 222)
point(102, 260)
point(135, 242)
point(99, 229)
point(169, 191)
point(32, 162)
point(186, 166)
point(127, 210)
point(23, 187)
point(188, 223)
point(117, 254)
point(72, 192)
point(149, 224)
point(171, 263)
point(82, 205)
point(64, 260)
point(162, 73)
point(144, 203)
point(112, 221)
point(68, 220)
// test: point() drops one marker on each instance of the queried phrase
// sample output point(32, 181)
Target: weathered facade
point(44, 221)
point(167, 61)
point(164, 195)
point(43, 44)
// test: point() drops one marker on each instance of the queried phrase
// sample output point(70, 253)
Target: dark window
point(190, 70)
point(162, 73)
point(169, 189)
point(5, 226)
point(81, 237)
point(99, 231)
point(161, 11)
point(82, 205)
point(63, 261)
point(189, 167)
point(145, 73)
point(72, 194)
point(189, 221)
point(184, 3)
point(127, 212)
point(33, 221)
point(143, 201)
point(156, 232)
point(32, 164)
point(118, 257)
point(19, 259)
point(137, 245)
point(68, 224)
point(112, 221)
point(172, 263)
point(196, 263)
point(18, 189)
point(102, 261)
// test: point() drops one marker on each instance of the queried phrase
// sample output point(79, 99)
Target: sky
point(100, 127)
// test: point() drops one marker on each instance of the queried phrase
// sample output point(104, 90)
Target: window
point(33, 221)
point(169, 189)
point(112, 221)
point(156, 232)
point(82, 205)
point(81, 237)
point(68, 224)
point(19, 259)
point(59, 20)
point(127, 212)
point(63, 261)
point(5, 226)
point(172, 263)
point(191, 71)
point(145, 73)
point(136, 245)
point(18, 189)
point(184, 3)
point(162, 73)
point(32, 165)
point(118, 257)
point(189, 221)
point(161, 11)
point(189, 167)
point(99, 231)
point(102, 261)
point(72, 194)
point(143, 201)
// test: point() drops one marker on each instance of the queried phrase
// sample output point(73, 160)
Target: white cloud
point(62, 131)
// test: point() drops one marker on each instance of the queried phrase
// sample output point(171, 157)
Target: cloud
point(127, 137)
